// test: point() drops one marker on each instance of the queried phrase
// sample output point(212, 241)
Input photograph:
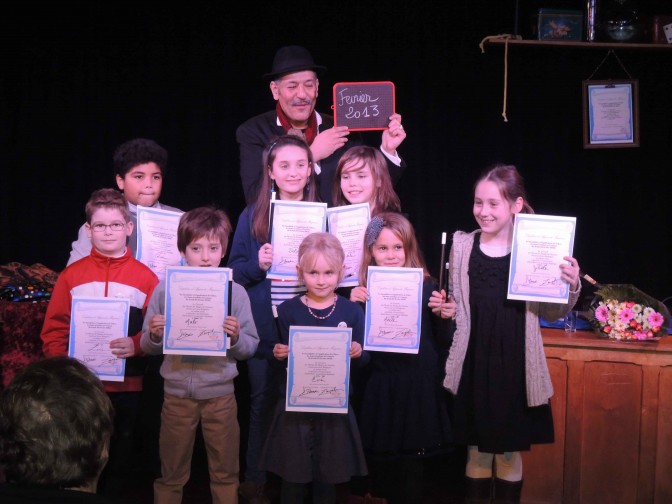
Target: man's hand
point(394, 135)
point(328, 141)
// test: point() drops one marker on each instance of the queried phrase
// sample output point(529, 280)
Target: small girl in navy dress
point(322, 448)
point(404, 416)
point(497, 369)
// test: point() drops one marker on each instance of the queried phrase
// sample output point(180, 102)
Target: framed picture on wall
point(610, 113)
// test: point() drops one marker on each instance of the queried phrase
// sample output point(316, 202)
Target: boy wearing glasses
point(139, 167)
point(108, 271)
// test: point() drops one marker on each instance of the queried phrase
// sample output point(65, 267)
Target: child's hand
point(232, 328)
point(441, 307)
point(359, 294)
point(265, 256)
point(156, 325)
point(570, 272)
point(122, 348)
point(280, 351)
point(355, 350)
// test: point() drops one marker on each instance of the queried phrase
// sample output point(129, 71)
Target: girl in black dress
point(496, 368)
point(404, 417)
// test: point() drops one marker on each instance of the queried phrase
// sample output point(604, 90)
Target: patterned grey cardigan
point(538, 380)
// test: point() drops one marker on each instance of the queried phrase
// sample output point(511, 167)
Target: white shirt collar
point(317, 115)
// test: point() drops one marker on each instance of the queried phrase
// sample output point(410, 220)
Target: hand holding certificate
point(197, 303)
point(94, 323)
point(318, 369)
point(394, 309)
point(540, 243)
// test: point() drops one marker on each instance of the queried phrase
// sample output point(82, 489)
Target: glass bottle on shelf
point(590, 20)
point(620, 21)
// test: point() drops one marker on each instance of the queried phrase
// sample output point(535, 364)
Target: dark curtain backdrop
point(79, 78)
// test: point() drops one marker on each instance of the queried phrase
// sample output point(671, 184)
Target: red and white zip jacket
point(100, 276)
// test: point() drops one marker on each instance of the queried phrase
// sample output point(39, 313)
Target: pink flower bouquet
point(623, 312)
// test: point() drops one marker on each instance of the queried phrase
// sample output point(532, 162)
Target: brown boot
point(507, 492)
point(477, 490)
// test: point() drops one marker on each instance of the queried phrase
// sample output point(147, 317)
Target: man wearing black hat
point(294, 85)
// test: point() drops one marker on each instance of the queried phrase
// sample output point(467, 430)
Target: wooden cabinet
point(612, 410)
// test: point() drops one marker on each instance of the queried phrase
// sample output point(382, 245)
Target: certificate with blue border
point(394, 309)
point(611, 113)
point(348, 224)
point(318, 369)
point(157, 239)
point(94, 322)
point(539, 244)
point(291, 222)
point(198, 301)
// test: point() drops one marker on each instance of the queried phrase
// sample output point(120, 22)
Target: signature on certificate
point(286, 260)
point(210, 333)
point(110, 361)
point(332, 391)
point(185, 334)
point(383, 332)
point(404, 334)
point(309, 391)
point(319, 391)
point(386, 333)
point(542, 281)
point(96, 347)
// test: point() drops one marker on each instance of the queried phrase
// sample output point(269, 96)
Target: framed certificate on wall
point(610, 113)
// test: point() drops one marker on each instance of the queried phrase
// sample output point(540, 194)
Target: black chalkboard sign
point(363, 105)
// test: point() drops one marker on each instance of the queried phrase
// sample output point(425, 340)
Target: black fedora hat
point(290, 59)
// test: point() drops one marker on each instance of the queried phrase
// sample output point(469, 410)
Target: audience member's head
point(55, 426)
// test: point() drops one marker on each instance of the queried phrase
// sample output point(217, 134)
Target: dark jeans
point(122, 445)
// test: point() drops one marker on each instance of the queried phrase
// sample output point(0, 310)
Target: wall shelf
point(577, 44)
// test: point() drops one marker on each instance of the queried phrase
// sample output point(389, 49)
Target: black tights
point(323, 493)
point(399, 481)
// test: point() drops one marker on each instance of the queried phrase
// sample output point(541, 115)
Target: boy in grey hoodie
point(200, 388)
